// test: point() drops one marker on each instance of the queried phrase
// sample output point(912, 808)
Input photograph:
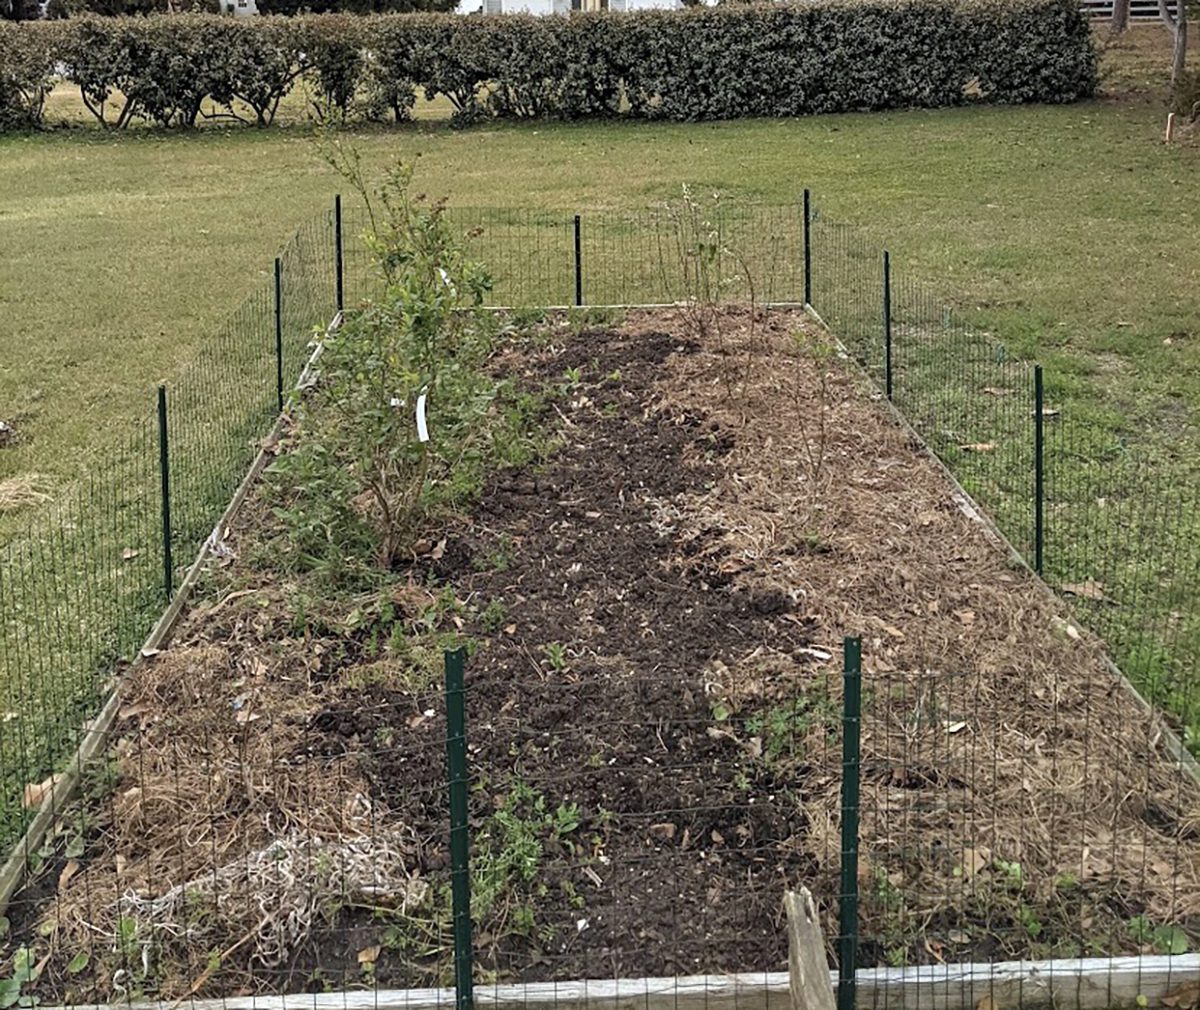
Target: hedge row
point(701, 63)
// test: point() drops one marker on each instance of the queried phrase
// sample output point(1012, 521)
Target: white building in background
point(559, 6)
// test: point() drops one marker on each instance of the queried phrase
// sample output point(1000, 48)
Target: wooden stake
point(1170, 128)
point(808, 971)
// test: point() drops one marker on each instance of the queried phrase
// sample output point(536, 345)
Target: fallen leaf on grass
point(996, 391)
point(966, 616)
point(955, 727)
point(1046, 412)
point(35, 793)
point(368, 955)
point(1089, 589)
point(129, 554)
point(977, 447)
point(665, 831)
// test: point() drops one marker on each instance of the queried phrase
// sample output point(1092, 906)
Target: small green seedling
point(556, 656)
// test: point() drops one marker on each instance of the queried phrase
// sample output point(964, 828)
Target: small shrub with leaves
point(333, 49)
point(390, 66)
point(27, 58)
point(719, 62)
point(402, 397)
point(99, 57)
point(263, 61)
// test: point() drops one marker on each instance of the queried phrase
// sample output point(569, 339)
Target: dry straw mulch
point(1015, 800)
point(1010, 780)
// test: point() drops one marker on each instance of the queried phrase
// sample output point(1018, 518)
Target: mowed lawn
point(1071, 232)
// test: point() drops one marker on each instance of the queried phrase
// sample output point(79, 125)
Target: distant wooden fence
point(1139, 10)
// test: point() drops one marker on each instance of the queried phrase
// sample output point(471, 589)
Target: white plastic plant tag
point(422, 428)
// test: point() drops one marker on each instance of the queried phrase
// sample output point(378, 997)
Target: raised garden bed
point(656, 605)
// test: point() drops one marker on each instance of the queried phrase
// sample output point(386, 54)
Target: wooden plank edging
point(1069, 984)
point(95, 733)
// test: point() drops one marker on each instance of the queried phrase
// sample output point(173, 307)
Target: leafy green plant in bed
point(396, 425)
point(511, 848)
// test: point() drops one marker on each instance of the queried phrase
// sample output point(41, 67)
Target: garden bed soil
point(654, 700)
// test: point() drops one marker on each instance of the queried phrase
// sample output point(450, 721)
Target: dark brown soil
point(654, 713)
point(702, 840)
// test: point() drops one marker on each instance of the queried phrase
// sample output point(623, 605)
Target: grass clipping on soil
point(277, 788)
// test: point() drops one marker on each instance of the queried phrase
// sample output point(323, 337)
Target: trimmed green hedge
point(839, 57)
point(722, 62)
point(27, 57)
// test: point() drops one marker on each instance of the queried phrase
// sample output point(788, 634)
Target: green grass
point(1068, 230)
point(1066, 233)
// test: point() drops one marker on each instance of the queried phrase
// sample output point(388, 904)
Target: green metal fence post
point(578, 261)
point(848, 899)
point(279, 333)
point(807, 249)
point(460, 873)
point(1039, 468)
point(164, 477)
point(338, 252)
point(887, 322)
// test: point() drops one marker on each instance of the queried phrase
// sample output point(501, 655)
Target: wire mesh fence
point(1089, 508)
point(1001, 822)
point(604, 821)
point(83, 584)
point(540, 258)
